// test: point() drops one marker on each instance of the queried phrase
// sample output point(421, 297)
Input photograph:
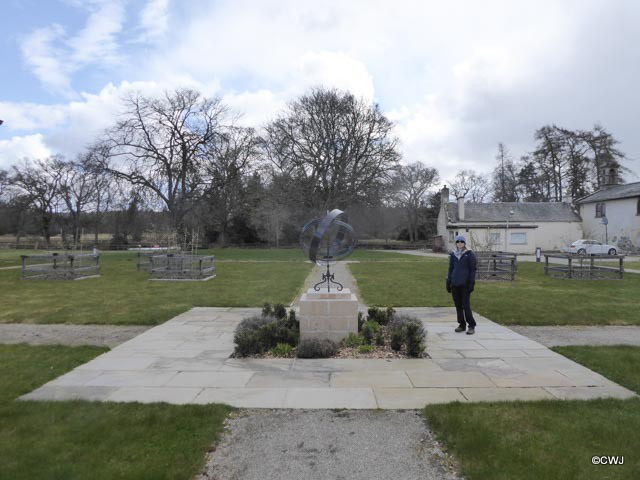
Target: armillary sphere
point(327, 240)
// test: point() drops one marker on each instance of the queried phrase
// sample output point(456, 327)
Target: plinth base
point(331, 315)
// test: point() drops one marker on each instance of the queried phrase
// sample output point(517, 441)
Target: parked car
point(591, 247)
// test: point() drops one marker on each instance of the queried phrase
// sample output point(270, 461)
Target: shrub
point(360, 320)
point(383, 317)
point(409, 331)
point(414, 337)
point(314, 348)
point(390, 314)
point(255, 335)
point(247, 343)
point(292, 322)
point(369, 329)
point(267, 310)
point(365, 349)
point(379, 339)
point(282, 350)
point(352, 340)
point(397, 339)
point(279, 311)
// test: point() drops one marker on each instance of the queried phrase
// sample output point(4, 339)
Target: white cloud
point(54, 56)
point(337, 70)
point(45, 59)
point(18, 148)
point(153, 20)
point(456, 77)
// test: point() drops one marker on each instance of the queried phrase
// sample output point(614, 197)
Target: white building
point(612, 214)
point(512, 227)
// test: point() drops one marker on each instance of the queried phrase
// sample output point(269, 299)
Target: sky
point(456, 78)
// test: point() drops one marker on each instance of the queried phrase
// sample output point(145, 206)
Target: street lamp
point(506, 235)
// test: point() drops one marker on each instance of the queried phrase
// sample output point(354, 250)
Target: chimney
point(444, 196)
point(461, 208)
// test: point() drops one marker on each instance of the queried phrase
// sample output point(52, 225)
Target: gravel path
point(99, 335)
point(581, 335)
point(321, 444)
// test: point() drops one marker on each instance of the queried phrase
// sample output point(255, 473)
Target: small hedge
point(314, 348)
point(259, 334)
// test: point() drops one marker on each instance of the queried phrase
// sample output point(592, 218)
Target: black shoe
point(471, 331)
point(460, 329)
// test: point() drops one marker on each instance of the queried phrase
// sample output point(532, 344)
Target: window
point(601, 210)
point(518, 239)
point(494, 239)
point(638, 207)
point(451, 236)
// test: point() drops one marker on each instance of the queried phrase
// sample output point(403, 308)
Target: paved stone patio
point(186, 360)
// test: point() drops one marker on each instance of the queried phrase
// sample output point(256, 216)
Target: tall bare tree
point(39, 182)
point(411, 185)
point(160, 146)
point(471, 185)
point(229, 163)
point(337, 148)
point(505, 174)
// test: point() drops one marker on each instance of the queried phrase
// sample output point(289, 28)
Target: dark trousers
point(461, 297)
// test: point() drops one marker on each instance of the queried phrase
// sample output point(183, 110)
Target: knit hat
point(460, 238)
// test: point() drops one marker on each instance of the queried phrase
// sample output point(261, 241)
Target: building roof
point(522, 212)
point(613, 192)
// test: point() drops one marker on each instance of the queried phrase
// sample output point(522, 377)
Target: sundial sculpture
point(327, 240)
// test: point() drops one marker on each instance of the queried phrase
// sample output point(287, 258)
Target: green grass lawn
point(11, 258)
point(123, 296)
point(619, 363)
point(81, 440)
point(532, 299)
point(548, 439)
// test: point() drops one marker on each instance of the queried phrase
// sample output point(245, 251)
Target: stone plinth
point(331, 315)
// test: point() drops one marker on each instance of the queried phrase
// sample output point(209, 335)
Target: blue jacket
point(462, 272)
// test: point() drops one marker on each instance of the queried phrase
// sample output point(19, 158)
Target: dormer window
point(601, 210)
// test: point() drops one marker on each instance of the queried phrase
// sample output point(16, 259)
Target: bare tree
point(39, 182)
point(471, 185)
point(160, 146)
point(336, 147)
point(229, 162)
point(104, 185)
point(412, 184)
point(505, 176)
point(77, 189)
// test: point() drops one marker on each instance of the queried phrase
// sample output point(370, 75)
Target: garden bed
point(381, 334)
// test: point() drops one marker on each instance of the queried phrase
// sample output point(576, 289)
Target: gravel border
point(328, 444)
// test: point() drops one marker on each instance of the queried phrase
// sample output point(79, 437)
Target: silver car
point(591, 247)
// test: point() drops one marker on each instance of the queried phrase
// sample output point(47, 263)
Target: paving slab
point(506, 394)
point(321, 398)
point(415, 398)
point(189, 360)
point(589, 393)
point(371, 378)
point(177, 396)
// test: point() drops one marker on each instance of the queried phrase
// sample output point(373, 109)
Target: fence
point(143, 261)
point(60, 266)
point(496, 266)
point(580, 267)
point(178, 267)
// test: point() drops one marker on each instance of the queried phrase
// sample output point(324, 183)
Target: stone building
point(612, 214)
point(517, 227)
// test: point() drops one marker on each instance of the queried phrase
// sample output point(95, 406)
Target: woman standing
point(460, 283)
